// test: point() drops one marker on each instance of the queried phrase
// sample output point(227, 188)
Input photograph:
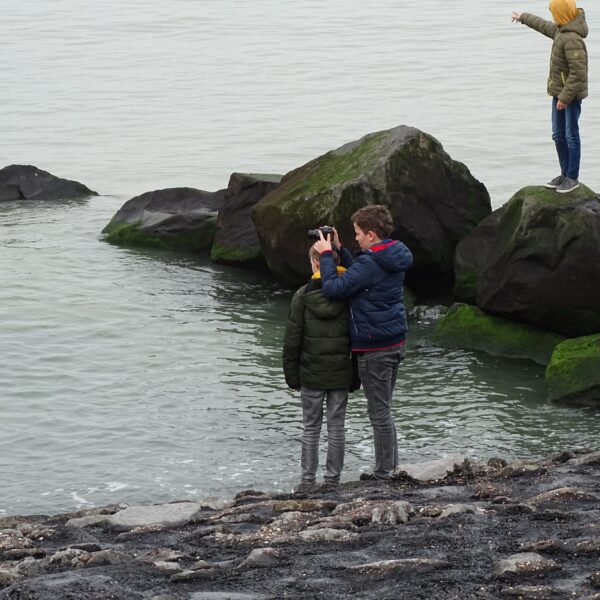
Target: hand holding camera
point(326, 237)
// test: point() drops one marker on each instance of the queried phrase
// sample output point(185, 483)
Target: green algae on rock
point(466, 326)
point(175, 219)
point(573, 374)
point(434, 200)
point(543, 265)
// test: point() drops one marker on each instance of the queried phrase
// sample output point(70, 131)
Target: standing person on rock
point(373, 286)
point(567, 83)
point(317, 361)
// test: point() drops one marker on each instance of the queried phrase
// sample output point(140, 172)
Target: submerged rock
point(26, 182)
point(175, 218)
point(236, 241)
point(525, 564)
point(434, 200)
point(544, 265)
point(466, 326)
point(573, 374)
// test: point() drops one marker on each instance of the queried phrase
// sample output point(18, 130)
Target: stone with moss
point(467, 326)
point(236, 241)
point(544, 265)
point(573, 374)
point(434, 200)
point(175, 219)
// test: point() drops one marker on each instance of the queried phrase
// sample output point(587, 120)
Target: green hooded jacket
point(568, 78)
point(316, 348)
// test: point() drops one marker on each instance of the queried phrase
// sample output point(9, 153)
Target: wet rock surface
point(482, 531)
point(26, 182)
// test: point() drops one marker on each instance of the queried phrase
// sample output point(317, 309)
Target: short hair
point(313, 254)
point(374, 217)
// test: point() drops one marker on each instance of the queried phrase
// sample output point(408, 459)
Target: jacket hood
point(578, 25)
point(321, 307)
point(392, 256)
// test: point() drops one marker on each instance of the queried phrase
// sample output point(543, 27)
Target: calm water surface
point(145, 376)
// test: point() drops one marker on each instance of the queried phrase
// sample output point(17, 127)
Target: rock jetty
point(441, 530)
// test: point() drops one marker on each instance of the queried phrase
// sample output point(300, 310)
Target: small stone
point(552, 545)
point(108, 557)
point(561, 496)
point(525, 563)
point(90, 521)
point(327, 535)
point(167, 566)
point(88, 547)
point(165, 515)
point(521, 469)
point(201, 564)
point(457, 509)
point(192, 575)
point(395, 513)
point(261, 557)
point(595, 580)
point(162, 554)
point(489, 490)
point(588, 547)
point(405, 565)
point(7, 578)
point(306, 506)
point(431, 510)
point(71, 557)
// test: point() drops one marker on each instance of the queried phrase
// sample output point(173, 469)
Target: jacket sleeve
point(548, 28)
point(346, 258)
point(339, 287)
point(576, 56)
point(292, 341)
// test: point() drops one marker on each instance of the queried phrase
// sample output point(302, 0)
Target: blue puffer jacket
point(373, 285)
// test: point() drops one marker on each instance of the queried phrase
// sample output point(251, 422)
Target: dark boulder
point(573, 374)
point(174, 218)
point(26, 182)
point(236, 241)
point(544, 266)
point(434, 200)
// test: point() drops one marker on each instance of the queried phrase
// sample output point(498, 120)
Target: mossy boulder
point(174, 218)
point(434, 200)
point(544, 265)
point(473, 253)
point(26, 182)
point(236, 241)
point(467, 326)
point(573, 374)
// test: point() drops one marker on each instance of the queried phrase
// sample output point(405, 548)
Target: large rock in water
point(573, 374)
point(466, 326)
point(236, 241)
point(174, 218)
point(544, 264)
point(434, 200)
point(26, 182)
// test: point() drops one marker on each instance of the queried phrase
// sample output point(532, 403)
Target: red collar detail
point(383, 246)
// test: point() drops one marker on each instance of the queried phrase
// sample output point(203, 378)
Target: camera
point(313, 234)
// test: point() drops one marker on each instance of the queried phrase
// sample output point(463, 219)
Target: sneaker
point(305, 487)
point(555, 182)
point(568, 185)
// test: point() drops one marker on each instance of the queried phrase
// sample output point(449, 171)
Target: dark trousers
point(565, 133)
point(378, 371)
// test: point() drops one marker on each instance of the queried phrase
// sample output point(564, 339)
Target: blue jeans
point(565, 133)
point(378, 371)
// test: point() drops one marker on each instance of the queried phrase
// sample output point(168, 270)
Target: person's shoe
point(305, 487)
point(568, 185)
point(368, 477)
point(555, 182)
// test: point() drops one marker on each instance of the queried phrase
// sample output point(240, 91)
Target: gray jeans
point(312, 416)
point(378, 371)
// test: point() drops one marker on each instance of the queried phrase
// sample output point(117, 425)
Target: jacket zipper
point(353, 321)
point(562, 76)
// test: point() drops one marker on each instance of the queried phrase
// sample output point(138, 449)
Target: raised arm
point(548, 28)
point(338, 287)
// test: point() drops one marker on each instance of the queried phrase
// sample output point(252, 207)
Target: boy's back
point(316, 349)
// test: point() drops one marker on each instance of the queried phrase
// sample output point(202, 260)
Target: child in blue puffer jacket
point(373, 286)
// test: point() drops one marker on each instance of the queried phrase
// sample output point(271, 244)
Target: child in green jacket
point(567, 83)
point(317, 361)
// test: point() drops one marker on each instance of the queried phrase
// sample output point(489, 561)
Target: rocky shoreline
point(453, 529)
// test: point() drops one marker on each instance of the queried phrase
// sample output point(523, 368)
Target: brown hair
point(376, 218)
point(314, 255)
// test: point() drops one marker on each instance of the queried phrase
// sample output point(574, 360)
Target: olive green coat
point(568, 78)
point(316, 348)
